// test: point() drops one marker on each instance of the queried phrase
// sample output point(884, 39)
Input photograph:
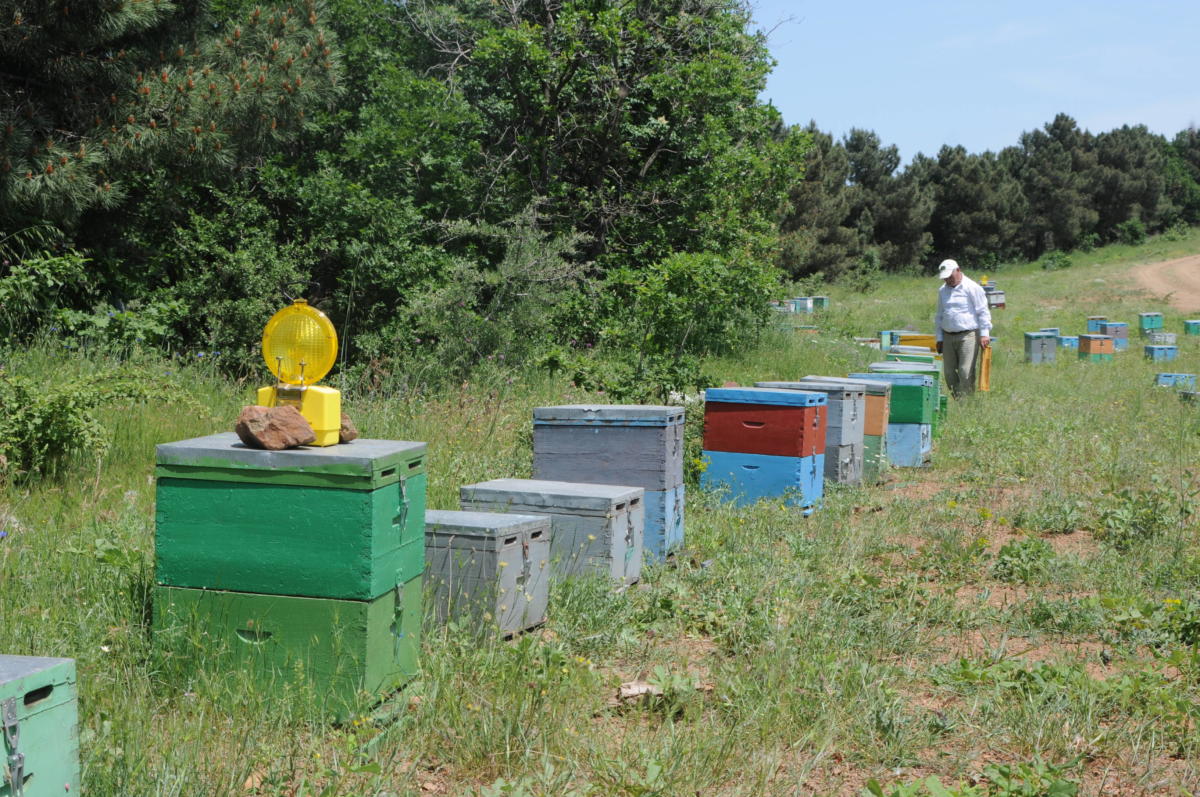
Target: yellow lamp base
point(321, 406)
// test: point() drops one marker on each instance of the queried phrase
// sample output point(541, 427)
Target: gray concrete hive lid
point(873, 387)
point(225, 450)
point(534, 495)
point(608, 415)
point(835, 389)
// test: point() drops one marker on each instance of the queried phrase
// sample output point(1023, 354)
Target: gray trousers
point(959, 356)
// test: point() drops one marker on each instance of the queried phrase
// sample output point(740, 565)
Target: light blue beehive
point(1160, 353)
point(1182, 381)
point(1068, 341)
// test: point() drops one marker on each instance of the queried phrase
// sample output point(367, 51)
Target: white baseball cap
point(947, 268)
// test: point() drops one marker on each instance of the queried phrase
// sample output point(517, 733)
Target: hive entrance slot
point(509, 540)
point(388, 472)
point(39, 694)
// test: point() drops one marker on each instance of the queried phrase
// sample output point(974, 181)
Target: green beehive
point(345, 521)
point(341, 648)
point(1096, 357)
point(39, 727)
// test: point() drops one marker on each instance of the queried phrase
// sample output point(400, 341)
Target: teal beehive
point(39, 727)
point(1191, 327)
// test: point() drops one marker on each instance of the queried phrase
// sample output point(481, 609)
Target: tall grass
point(902, 631)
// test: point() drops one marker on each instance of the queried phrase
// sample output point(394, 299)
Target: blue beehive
point(1161, 352)
point(1055, 330)
point(910, 445)
point(1068, 341)
point(1118, 331)
point(749, 476)
point(802, 304)
point(1094, 322)
point(637, 445)
point(1185, 381)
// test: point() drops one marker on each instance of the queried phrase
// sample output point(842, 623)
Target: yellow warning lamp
point(299, 345)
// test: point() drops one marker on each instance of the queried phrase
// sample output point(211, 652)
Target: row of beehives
point(1104, 338)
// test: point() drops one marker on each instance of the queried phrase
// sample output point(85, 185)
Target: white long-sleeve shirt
point(962, 308)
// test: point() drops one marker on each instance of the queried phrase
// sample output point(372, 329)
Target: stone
point(273, 428)
point(348, 431)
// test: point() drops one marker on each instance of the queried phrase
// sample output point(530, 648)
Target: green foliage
point(94, 96)
point(44, 426)
point(1054, 514)
point(657, 321)
point(1130, 516)
point(1025, 561)
point(32, 288)
point(1053, 261)
point(1036, 779)
point(1131, 232)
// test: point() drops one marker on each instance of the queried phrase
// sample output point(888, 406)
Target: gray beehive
point(493, 568)
point(844, 464)
point(596, 529)
point(627, 444)
point(636, 445)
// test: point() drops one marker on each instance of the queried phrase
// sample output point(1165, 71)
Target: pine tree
point(93, 91)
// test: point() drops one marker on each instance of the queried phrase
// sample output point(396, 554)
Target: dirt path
point(1176, 281)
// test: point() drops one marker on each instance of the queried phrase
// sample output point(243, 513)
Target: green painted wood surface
point(364, 464)
point(47, 708)
point(342, 648)
point(912, 404)
point(1095, 357)
point(285, 539)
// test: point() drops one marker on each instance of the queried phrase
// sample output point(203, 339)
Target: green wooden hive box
point(345, 521)
point(342, 648)
point(39, 727)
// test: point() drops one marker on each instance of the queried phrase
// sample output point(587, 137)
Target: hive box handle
point(252, 636)
point(754, 424)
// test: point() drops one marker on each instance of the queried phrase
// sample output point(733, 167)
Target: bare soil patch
point(1175, 281)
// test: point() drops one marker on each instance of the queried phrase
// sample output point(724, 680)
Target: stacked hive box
point(995, 297)
point(896, 354)
point(1118, 331)
point(1186, 381)
point(595, 529)
point(802, 304)
point(298, 563)
point(762, 443)
point(1149, 322)
point(845, 421)
point(39, 727)
point(1039, 347)
point(940, 402)
point(1068, 341)
point(640, 446)
point(878, 396)
point(1160, 353)
point(1094, 322)
point(1161, 338)
point(1096, 348)
point(1191, 327)
point(1055, 331)
point(910, 419)
point(488, 567)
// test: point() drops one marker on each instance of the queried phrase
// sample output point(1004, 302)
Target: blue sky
point(980, 72)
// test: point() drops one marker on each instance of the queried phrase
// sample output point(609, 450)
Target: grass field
point(1021, 618)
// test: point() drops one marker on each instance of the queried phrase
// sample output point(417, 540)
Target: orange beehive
point(1095, 344)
